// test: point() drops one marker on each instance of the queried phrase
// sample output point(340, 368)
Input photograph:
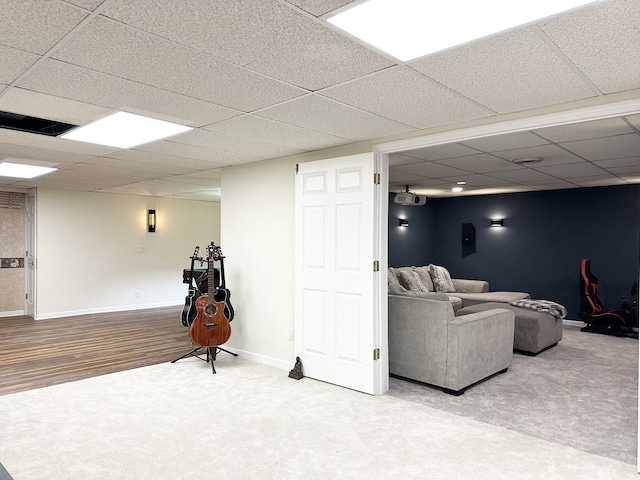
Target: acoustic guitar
point(222, 293)
point(189, 310)
point(210, 328)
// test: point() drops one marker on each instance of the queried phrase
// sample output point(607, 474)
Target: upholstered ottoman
point(534, 331)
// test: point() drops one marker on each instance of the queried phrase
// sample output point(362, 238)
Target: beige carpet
point(178, 421)
point(582, 393)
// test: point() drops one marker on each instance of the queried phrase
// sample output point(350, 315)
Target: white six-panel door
point(335, 235)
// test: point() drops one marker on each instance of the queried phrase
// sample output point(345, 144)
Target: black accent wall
point(545, 235)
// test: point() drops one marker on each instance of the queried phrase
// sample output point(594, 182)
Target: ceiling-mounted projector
point(408, 198)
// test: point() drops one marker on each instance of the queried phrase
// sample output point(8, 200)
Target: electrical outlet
point(290, 337)
point(137, 293)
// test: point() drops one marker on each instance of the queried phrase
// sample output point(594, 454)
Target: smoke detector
point(526, 161)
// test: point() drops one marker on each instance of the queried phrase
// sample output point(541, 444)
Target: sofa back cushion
point(392, 278)
point(400, 290)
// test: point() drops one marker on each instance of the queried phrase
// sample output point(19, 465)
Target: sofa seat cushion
point(456, 302)
point(502, 297)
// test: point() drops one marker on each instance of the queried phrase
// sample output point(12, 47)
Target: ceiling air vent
point(11, 200)
point(40, 126)
point(526, 161)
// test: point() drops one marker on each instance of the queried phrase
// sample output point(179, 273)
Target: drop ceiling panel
point(480, 163)
point(155, 158)
point(430, 169)
point(507, 73)
point(573, 170)
point(42, 105)
point(474, 181)
point(266, 37)
point(524, 175)
point(119, 50)
point(37, 153)
point(36, 26)
point(428, 105)
point(612, 65)
point(597, 181)
point(497, 143)
point(68, 81)
point(319, 7)
point(53, 143)
point(211, 157)
point(14, 63)
point(334, 118)
point(625, 171)
point(158, 169)
point(441, 152)
point(231, 143)
point(585, 130)
point(108, 174)
point(407, 178)
point(554, 184)
point(269, 131)
point(550, 154)
point(88, 4)
point(621, 146)
point(634, 120)
point(401, 159)
point(618, 162)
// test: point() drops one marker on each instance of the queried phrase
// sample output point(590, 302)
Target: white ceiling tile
point(213, 158)
point(116, 49)
point(319, 7)
point(573, 170)
point(404, 178)
point(430, 169)
point(621, 146)
point(168, 189)
point(269, 131)
point(268, 37)
point(179, 163)
point(327, 116)
point(509, 141)
point(625, 171)
point(585, 130)
point(10, 149)
point(234, 144)
point(480, 163)
point(506, 73)
point(550, 154)
point(603, 180)
point(441, 152)
point(401, 159)
point(156, 168)
point(42, 105)
point(523, 175)
point(618, 162)
point(603, 42)
point(554, 184)
point(14, 63)
point(427, 104)
point(36, 26)
point(86, 86)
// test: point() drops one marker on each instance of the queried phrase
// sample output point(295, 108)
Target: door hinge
point(376, 354)
point(376, 266)
point(26, 296)
point(376, 179)
point(297, 168)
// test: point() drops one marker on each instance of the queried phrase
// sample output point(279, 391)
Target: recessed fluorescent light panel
point(125, 130)
point(408, 29)
point(17, 170)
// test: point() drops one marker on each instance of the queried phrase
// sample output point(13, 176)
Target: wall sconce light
point(403, 222)
point(498, 222)
point(151, 221)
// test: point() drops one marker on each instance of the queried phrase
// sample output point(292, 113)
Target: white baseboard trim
point(263, 359)
point(89, 311)
point(12, 313)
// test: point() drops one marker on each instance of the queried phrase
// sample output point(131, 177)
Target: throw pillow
point(442, 279)
point(425, 277)
point(411, 281)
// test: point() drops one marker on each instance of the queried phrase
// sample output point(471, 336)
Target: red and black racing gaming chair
point(611, 322)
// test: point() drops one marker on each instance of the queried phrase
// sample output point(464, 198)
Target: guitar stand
point(211, 355)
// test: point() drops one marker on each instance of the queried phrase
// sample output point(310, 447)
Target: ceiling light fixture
point(526, 161)
point(461, 183)
point(18, 170)
point(457, 189)
point(408, 29)
point(124, 130)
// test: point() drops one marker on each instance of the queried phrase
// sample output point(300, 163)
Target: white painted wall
point(87, 250)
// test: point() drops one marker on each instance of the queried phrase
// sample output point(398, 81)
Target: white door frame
point(30, 254)
point(597, 112)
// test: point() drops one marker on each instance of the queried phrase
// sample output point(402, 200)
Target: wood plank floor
point(35, 354)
